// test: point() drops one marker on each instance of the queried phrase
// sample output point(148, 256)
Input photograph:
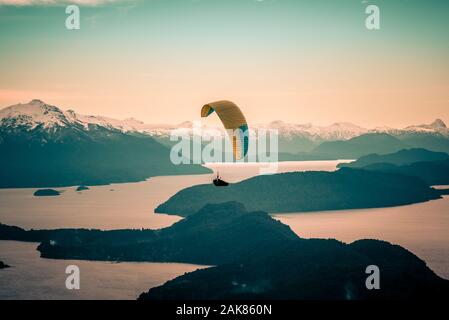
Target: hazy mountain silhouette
point(432, 167)
point(428, 140)
point(71, 155)
point(402, 157)
point(379, 143)
point(432, 172)
point(359, 146)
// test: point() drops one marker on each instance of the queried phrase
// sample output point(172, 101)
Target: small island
point(82, 188)
point(3, 265)
point(46, 193)
point(308, 191)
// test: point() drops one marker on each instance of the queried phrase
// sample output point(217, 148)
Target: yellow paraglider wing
point(233, 119)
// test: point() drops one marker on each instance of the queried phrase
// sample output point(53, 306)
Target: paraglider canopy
point(234, 122)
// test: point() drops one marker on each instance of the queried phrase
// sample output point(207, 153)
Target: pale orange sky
point(286, 60)
point(370, 95)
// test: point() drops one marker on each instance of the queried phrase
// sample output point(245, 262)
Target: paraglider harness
point(218, 182)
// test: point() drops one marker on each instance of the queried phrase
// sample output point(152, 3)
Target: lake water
point(32, 277)
point(125, 205)
point(422, 228)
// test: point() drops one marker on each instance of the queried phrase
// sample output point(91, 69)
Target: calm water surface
point(422, 228)
point(125, 205)
point(32, 277)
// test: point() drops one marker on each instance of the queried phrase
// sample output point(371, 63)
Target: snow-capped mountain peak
point(438, 124)
point(32, 114)
point(38, 113)
point(335, 131)
point(37, 102)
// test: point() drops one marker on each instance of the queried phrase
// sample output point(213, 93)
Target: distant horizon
point(217, 123)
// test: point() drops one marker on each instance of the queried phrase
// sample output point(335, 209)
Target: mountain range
point(44, 123)
point(42, 146)
point(400, 158)
point(38, 113)
point(431, 167)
